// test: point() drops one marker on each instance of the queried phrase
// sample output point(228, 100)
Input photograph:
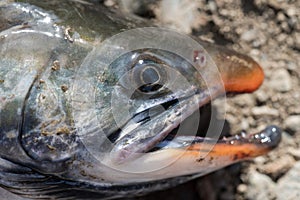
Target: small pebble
point(249, 36)
point(291, 11)
point(278, 167)
point(265, 111)
point(295, 153)
point(261, 96)
point(245, 125)
point(281, 80)
point(260, 160)
point(289, 185)
point(292, 123)
point(246, 100)
point(212, 6)
point(287, 139)
point(242, 188)
point(260, 186)
point(281, 16)
point(109, 3)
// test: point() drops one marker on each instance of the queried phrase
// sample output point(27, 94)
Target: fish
point(93, 102)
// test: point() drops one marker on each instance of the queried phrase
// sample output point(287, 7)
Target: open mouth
point(167, 134)
point(264, 140)
point(155, 128)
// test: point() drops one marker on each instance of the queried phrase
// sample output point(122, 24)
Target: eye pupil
point(150, 76)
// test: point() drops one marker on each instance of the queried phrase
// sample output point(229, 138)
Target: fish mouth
point(240, 146)
point(234, 148)
point(158, 139)
point(170, 154)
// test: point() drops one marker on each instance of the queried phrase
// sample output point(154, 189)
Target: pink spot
point(200, 58)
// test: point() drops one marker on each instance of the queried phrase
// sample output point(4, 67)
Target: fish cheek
point(47, 134)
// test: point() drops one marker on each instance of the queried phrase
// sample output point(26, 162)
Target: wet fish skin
point(38, 142)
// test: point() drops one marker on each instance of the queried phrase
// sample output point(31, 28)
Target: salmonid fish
point(92, 102)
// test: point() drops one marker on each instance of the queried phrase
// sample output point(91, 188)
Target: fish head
point(151, 90)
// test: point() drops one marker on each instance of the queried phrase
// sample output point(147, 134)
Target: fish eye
point(149, 76)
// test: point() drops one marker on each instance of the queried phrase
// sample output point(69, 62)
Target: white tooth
point(243, 134)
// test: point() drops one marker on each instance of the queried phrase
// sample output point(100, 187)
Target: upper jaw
point(141, 137)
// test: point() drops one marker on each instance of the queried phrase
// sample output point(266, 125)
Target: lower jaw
point(239, 146)
point(195, 155)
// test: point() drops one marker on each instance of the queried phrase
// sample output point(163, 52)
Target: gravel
point(288, 187)
point(292, 123)
point(260, 186)
point(281, 80)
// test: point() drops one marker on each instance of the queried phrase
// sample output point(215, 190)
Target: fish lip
point(268, 138)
